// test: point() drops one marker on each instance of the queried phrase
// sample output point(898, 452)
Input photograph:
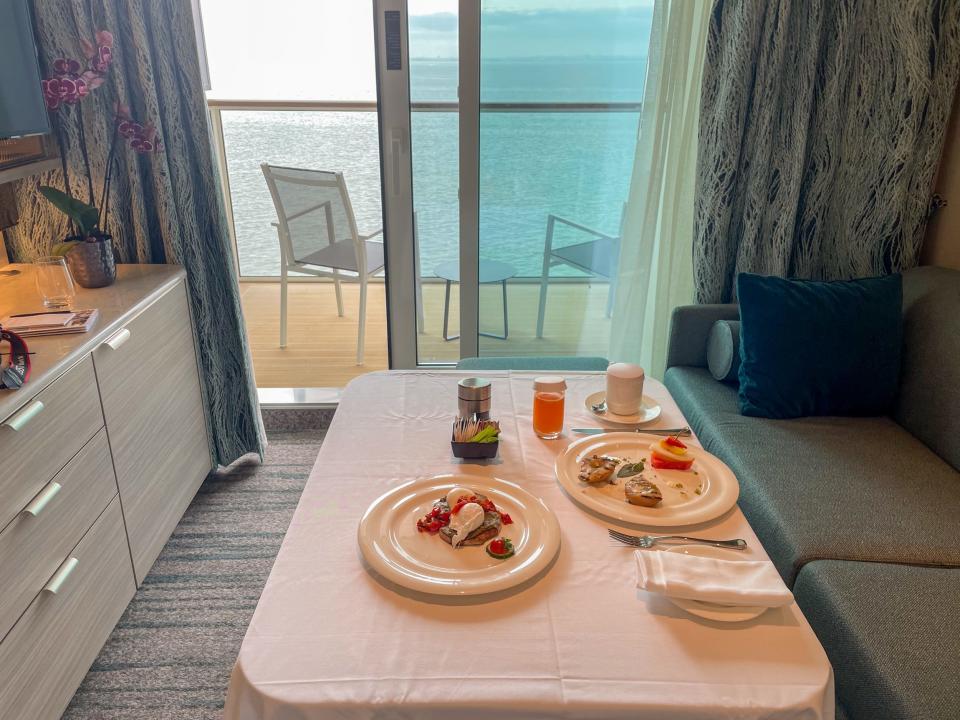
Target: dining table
point(332, 638)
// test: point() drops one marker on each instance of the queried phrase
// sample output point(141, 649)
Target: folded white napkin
point(725, 582)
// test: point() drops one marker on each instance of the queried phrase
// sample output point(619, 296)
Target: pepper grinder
point(473, 398)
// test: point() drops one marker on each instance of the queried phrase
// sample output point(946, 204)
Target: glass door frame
point(393, 119)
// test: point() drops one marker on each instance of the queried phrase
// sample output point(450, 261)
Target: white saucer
point(713, 611)
point(649, 411)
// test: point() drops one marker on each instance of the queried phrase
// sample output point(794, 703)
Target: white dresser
point(100, 454)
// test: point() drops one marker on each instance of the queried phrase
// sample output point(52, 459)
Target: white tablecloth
point(328, 640)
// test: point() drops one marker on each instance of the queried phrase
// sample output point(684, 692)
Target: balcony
point(575, 167)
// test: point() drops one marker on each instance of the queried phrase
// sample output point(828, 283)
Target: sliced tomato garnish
point(675, 442)
point(663, 464)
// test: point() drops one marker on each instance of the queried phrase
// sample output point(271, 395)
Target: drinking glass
point(54, 282)
point(548, 396)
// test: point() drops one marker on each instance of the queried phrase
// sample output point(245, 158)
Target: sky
point(323, 49)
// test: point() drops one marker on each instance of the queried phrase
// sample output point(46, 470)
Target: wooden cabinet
point(44, 658)
point(102, 451)
point(39, 439)
point(154, 412)
point(50, 525)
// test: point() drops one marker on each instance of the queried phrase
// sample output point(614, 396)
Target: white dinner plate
point(708, 610)
point(649, 411)
point(681, 505)
point(394, 548)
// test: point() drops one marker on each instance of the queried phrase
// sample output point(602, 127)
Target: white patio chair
point(318, 236)
point(598, 257)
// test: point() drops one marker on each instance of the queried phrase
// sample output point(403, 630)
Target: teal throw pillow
point(810, 347)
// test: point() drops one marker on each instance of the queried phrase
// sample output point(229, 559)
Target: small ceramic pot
point(92, 263)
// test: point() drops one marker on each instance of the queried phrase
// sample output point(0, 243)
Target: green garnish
point(489, 434)
point(631, 469)
point(507, 549)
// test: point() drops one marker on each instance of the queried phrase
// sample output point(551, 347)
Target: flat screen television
point(22, 110)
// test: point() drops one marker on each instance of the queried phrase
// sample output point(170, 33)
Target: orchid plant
point(68, 85)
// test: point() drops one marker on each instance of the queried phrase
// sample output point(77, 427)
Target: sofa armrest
point(689, 327)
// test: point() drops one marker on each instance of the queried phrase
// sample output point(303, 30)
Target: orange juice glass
point(548, 396)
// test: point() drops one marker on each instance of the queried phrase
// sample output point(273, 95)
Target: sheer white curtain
point(656, 254)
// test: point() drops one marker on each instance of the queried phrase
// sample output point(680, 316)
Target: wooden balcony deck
point(321, 346)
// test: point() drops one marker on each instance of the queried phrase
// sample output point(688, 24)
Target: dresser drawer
point(39, 439)
point(34, 544)
point(45, 656)
point(154, 414)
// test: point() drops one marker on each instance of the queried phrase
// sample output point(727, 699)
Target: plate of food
point(458, 535)
point(646, 480)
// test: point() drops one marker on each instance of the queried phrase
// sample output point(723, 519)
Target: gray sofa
point(861, 516)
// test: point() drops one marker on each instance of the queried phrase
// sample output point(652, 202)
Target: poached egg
point(458, 492)
point(464, 522)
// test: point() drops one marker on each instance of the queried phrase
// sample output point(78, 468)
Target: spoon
point(600, 408)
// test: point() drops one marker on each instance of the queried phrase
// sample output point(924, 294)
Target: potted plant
point(89, 248)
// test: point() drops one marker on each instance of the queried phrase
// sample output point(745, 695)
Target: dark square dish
point(475, 451)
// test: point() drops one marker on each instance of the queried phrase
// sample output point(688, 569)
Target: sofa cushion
point(928, 402)
point(818, 348)
point(892, 634)
point(723, 351)
point(828, 487)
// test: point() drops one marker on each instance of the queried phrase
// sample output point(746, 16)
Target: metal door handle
point(61, 575)
point(396, 147)
point(119, 339)
point(43, 498)
point(20, 419)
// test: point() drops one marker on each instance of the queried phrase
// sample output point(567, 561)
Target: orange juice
point(548, 414)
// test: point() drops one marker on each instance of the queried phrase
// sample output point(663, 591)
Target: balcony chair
point(598, 257)
point(318, 236)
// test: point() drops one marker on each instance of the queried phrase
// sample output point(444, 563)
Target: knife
point(683, 432)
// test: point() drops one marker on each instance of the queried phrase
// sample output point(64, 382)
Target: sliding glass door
point(509, 234)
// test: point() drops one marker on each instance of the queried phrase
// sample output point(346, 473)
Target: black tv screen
point(22, 110)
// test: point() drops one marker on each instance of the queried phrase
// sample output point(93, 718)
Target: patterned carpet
point(170, 656)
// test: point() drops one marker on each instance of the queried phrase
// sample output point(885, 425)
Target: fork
point(648, 541)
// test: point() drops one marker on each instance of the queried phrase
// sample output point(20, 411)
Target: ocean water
point(573, 164)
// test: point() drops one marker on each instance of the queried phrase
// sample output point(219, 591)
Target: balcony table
point(330, 640)
point(489, 271)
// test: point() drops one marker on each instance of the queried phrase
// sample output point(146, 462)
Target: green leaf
point(630, 469)
point(85, 216)
point(62, 248)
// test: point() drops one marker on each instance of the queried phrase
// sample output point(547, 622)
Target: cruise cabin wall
point(942, 244)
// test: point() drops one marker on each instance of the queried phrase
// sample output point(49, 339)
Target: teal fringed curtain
point(821, 126)
point(165, 208)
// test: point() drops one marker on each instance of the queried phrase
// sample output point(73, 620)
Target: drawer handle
point(61, 575)
point(119, 339)
point(43, 498)
point(20, 420)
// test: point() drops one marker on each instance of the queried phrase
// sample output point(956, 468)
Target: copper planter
point(92, 263)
